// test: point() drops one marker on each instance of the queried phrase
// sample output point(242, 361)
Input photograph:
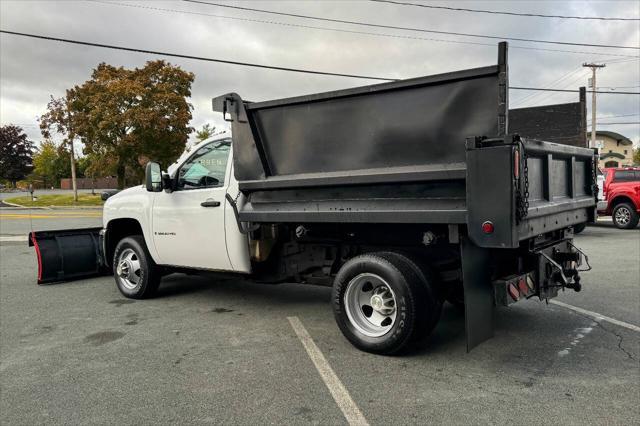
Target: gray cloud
point(32, 70)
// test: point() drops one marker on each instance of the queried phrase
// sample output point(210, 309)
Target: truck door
point(188, 223)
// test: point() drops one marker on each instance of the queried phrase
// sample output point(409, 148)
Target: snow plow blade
point(68, 254)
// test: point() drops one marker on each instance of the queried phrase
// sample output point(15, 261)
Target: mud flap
point(66, 255)
point(478, 293)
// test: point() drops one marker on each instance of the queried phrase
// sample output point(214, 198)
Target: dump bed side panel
point(409, 130)
point(405, 125)
point(386, 153)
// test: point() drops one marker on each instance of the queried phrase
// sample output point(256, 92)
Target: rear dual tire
point(385, 302)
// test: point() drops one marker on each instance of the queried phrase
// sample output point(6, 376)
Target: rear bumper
point(68, 254)
point(551, 268)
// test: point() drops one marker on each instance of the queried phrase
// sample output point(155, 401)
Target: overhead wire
point(398, 36)
point(549, 84)
point(495, 12)
point(249, 64)
point(370, 24)
point(199, 58)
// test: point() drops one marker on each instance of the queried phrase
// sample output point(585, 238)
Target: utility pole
point(71, 136)
point(593, 67)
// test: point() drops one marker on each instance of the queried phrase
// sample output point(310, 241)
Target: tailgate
point(559, 188)
point(517, 189)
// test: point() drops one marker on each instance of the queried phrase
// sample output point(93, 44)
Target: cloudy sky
point(32, 70)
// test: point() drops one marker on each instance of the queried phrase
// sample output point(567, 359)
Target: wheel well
point(117, 229)
point(621, 199)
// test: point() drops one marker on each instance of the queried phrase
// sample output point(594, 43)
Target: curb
point(13, 205)
point(19, 206)
point(74, 207)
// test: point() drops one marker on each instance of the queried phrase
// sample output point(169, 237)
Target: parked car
point(620, 197)
point(108, 193)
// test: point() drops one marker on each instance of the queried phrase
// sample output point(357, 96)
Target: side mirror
point(153, 177)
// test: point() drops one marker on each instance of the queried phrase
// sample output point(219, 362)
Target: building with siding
point(615, 149)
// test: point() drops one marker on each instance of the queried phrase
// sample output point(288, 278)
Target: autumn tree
point(124, 116)
point(15, 154)
point(205, 132)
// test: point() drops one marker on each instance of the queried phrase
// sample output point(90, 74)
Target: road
point(223, 351)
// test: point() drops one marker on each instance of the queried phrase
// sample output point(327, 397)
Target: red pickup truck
point(621, 196)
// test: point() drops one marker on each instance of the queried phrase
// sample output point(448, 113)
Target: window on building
point(625, 152)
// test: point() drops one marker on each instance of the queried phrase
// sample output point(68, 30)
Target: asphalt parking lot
point(224, 351)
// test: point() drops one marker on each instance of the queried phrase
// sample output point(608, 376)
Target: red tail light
point(516, 163)
point(487, 227)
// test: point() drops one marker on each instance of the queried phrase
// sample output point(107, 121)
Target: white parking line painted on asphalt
point(340, 394)
point(597, 316)
point(14, 238)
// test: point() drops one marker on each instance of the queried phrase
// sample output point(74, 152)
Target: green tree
point(636, 156)
point(205, 133)
point(60, 118)
point(16, 153)
point(45, 162)
point(128, 116)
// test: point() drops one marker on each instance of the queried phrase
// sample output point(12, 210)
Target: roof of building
point(612, 155)
point(613, 135)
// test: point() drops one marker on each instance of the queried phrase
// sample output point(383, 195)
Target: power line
point(545, 96)
point(622, 122)
point(618, 87)
point(248, 64)
point(198, 58)
point(617, 116)
point(550, 85)
point(287, 24)
point(495, 12)
point(572, 91)
point(369, 24)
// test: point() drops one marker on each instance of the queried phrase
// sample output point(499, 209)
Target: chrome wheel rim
point(623, 216)
point(128, 269)
point(370, 305)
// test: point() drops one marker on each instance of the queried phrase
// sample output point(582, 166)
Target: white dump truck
point(399, 195)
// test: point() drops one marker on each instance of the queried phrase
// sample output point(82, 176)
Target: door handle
point(210, 203)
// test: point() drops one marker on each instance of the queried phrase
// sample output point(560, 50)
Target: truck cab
point(189, 222)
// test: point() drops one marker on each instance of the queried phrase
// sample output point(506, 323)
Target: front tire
point(135, 272)
point(625, 216)
point(381, 304)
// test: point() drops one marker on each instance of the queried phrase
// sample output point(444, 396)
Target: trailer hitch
point(566, 264)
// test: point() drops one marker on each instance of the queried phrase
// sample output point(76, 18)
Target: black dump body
point(426, 150)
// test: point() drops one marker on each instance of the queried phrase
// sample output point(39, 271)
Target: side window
point(624, 176)
point(206, 168)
